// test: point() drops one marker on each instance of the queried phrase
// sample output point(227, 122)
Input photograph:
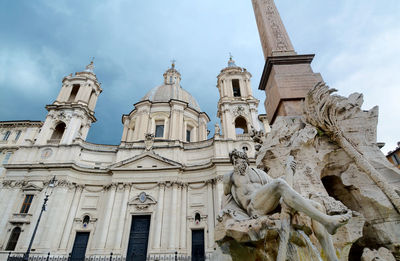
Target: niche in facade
point(197, 218)
point(86, 220)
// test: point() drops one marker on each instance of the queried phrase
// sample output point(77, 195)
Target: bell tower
point(72, 113)
point(237, 108)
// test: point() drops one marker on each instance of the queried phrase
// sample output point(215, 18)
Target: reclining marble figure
point(258, 194)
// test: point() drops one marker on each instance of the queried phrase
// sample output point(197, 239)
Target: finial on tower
point(90, 66)
point(173, 63)
point(231, 62)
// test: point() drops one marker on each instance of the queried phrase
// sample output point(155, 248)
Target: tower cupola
point(237, 108)
point(72, 113)
point(81, 88)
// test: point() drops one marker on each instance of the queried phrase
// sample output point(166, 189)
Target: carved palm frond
point(328, 112)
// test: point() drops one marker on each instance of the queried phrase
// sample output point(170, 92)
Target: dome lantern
point(172, 76)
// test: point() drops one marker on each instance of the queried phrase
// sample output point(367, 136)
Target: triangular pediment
point(147, 160)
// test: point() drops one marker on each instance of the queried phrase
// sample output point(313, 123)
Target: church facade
point(155, 195)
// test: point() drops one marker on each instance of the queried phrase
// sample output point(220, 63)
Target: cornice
point(282, 60)
point(53, 165)
point(22, 123)
point(88, 112)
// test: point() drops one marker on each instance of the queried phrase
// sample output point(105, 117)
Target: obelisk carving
point(287, 76)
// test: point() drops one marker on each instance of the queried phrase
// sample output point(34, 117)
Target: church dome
point(171, 90)
point(166, 92)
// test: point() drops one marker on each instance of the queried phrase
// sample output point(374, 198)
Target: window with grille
point(7, 157)
point(27, 204)
point(188, 132)
point(396, 159)
point(18, 134)
point(159, 130)
point(7, 135)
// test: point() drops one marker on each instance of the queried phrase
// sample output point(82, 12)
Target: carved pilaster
point(110, 186)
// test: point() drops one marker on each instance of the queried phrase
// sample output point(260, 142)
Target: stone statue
point(217, 129)
point(257, 194)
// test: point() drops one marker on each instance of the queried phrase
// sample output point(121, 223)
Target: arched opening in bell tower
point(241, 125)
point(236, 88)
point(74, 92)
point(58, 132)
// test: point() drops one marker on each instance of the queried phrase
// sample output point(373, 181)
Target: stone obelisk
point(287, 76)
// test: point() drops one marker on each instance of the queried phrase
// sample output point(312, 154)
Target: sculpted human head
point(238, 158)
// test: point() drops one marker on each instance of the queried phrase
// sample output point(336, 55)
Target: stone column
point(219, 193)
point(121, 220)
point(182, 244)
point(125, 132)
point(255, 123)
point(229, 131)
point(48, 233)
point(93, 101)
point(178, 216)
point(143, 124)
point(210, 213)
point(173, 127)
point(172, 224)
point(129, 135)
point(71, 130)
point(83, 93)
point(180, 124)
point(57, 215)
point(73, 208)
point(159, 216)
point(107, 217)
point(46, 131)
point(115, 214)
point(64, 94)
point(135, 131)
point(166, 221)
point(60, 94)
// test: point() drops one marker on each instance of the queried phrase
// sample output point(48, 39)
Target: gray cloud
point(356, 45)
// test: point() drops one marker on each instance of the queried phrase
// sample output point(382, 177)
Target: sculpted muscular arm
point(227, 181)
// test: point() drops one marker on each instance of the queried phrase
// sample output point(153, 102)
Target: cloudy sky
point(357, 47)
